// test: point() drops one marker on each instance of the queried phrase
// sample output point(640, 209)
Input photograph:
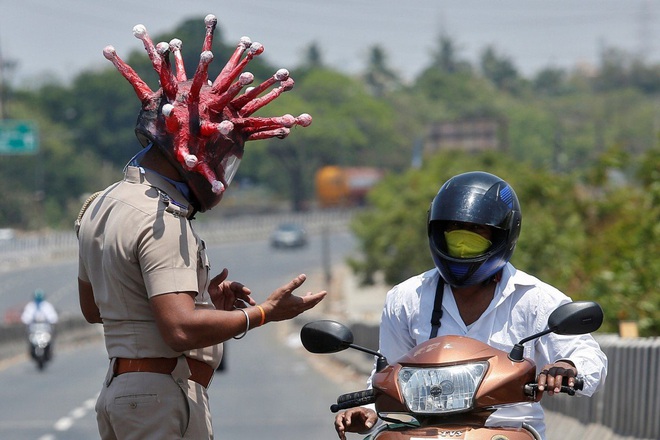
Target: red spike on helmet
point(202, 127)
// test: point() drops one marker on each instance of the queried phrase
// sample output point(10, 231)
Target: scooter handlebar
point(579, 384)
point(352, 400)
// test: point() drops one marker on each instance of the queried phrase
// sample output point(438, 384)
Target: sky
point(58, 39)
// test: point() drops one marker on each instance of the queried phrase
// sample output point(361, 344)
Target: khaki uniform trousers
point(153, 406)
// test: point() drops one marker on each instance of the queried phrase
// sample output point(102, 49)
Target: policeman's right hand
point(282, 304)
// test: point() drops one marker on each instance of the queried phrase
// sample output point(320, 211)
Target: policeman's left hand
point(225, 294)
point(552, 376)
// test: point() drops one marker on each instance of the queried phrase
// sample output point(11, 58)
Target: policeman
point(143, 270)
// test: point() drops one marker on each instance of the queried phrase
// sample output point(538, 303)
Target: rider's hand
point(224, 294)
point(357, 420)
point(552, 376)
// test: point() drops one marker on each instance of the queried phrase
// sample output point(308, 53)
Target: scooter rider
point(39, 310)
point(473, 226)
point(40, 317)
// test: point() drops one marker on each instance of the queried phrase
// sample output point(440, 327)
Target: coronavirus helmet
point(479, 198)
point(202, 126)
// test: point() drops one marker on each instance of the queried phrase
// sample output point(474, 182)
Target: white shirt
point(44, 312)
point(520, 307)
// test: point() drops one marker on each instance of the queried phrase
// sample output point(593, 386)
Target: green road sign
point(18, 137)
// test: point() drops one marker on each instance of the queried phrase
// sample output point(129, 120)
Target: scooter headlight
point(441, 390)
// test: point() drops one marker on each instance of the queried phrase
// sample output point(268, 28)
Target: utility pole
point(5, 65)
point(2, 85)
point(644, 29)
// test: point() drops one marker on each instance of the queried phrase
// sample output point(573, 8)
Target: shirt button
point(133, 405)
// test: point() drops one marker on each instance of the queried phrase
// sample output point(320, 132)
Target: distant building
point(474, 135)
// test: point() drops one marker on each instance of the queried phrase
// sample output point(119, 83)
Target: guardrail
point(629, 404)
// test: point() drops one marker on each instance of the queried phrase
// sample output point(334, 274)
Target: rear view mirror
point(326, 337)
point(576, 318)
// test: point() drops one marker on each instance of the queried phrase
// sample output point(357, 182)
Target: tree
point(500, 70)
point(612, 73)
point(551, 81)
point(313, 58)
point(621, 264)
point(378, 76)
point(620, 69)
point(445, 56)
point(459, 91)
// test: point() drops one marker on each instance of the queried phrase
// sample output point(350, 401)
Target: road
point(270, 389)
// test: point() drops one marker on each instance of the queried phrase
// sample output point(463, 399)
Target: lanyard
point(437, 307)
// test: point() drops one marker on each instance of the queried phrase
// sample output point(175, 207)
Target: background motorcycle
point(40, 336)
point(448, 386)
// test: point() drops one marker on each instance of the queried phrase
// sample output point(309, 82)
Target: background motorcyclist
point(40, 317)
point(473, 226)
point(39, 310)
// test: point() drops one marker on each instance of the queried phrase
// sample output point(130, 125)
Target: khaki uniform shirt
point(135, 242)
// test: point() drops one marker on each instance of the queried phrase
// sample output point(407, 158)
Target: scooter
point(40, 336)
point(446, 387)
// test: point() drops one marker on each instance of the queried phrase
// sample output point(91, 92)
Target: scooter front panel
point(449, 432)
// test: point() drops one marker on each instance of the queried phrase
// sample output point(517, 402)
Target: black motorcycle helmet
point(480, 198)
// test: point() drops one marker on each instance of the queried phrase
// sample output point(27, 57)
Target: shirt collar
point(149, 177)
point(513, 279)
point(182, 187)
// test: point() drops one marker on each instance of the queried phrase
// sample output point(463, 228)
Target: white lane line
point(67, 422)
point(64, 424)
